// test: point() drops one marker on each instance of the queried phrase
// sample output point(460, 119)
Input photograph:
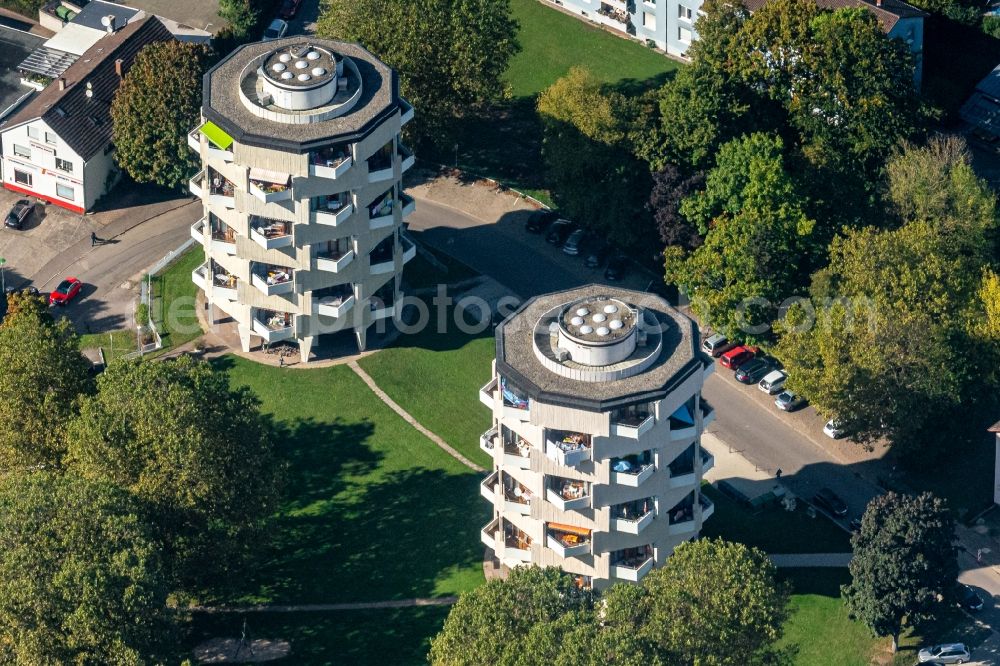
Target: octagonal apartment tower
point(597, 419)
point(301, 176)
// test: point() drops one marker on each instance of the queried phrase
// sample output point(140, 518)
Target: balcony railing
point(517, 498)
point(224, 285)
point(516, 544)
point(633, 427)
point(633, 517)
point(632, 471)
point(197, 184)
point(707, 461)
point(488, 487)
point(221, 192)
point(380, 166)
point(707, 413)
point(409, 248)
point(274, 280)
point(334, 306)
point(273, 327)
point(681, 517)
point(488, 440)
point(200, 277)
point(198, 231)
point(489, 534)
point(382, 259)
point(567, 541)
point(330, 164)
point(334, 213)
point(517, 451)
point(407, 157)
point(707, 507)
point(270, 192)
point(271, 234)
point(567, 448)
point(380, 214)
point(407, 112)
point(409, 205)
point(568, 494)
point(632, 564)
point(334, 262)
point(487, 392)
point(223, 237)
point(194, 140)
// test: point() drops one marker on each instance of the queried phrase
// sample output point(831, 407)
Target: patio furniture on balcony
point(221, 192)
point(681, 516)
point(223, 283)
point(633, 517)
point(516, 449)
point(332, 210)
point(223, 235)
point(517, 498)
point(567, 448)
point(567, 540)
point(270, 234)
point(568, 494)
point(272, 280)
point(331, 162)
point(270, 186)
point(272, 326)
point(632, 470)
point(517, 544)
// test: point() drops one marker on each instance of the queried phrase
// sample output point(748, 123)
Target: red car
point(65, 292)
point(289, 8)
point(736, 357)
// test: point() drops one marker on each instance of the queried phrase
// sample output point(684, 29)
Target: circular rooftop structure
point(300, 67)
point(598, 321)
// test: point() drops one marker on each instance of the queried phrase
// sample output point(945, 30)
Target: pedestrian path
point(809, 560)
point(384, 397)
point(314, 608)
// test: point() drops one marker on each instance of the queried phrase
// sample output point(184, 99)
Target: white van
point(715, 345)
point(773, 382)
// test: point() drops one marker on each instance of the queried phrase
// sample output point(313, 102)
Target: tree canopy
point(904, 562)
point(196, 451)
point(451, 56)
point(43, 376)
point(80, 577)
point(155, 107)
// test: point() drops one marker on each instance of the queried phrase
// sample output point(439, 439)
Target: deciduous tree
point(195, 451)
point(80, 576)
point(904, 562)
point(155, 107)
point(43, 374)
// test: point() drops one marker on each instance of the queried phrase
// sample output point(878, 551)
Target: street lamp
point(3, 285)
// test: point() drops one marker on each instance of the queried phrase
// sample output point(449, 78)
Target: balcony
point(273, 280)
point(270, 192)
point(407, 112)
point(409, 205)
point(409, 248)
point(516, 449)
point(707, 461)
point(568, 494)
point(488, 535)
point(682, 425)
point(335, 260)
point(407, 157)
point(194, 141)
point(632, 471)
point(707, 507)
point(380, 214)
point(221, 192)
point(218, 143)
point(223, 236)
point(516, 497)
point(488, 488)
point(487, 391)
point(516, 544)
point(332, 212)
point(488, 440)
point(197, 184)
point(380, 310)
point(616, 15)
point(198, 231)
point(633, 517)
point(200, 277)
point(333, 306)
point(382, 259)
point(632, 564)
point(515, 404)
point(272, 326)
point(632, 427)
point(681, 469)
point(567, 448)
point(567, 540)
point(330, 163)
point(380, 164)
point(223, 284)
point(707, 413)
point(681, 517)
point(270, 234)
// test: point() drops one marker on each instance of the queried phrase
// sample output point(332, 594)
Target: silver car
point(946, 653)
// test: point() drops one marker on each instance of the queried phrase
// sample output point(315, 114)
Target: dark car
point(24, 291)
point(540, 220)
point(559, 232)
point(753, 371)
point(968, 598)
point(575, 243)
point(855, 524)
point(19, 214)
point(617, 268)
point(289, 8)
point(829, 501)
point(597, 255)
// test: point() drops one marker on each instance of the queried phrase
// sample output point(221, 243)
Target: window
point(65, 191)
point(34, 133)
point(684, 34)
point(21, 151)
point(50, 137)
point(649, 20)
point(22, 177)
point(64, 165)
point(684, 12)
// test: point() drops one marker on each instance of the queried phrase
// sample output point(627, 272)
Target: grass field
point(114, 343)
point(374, 510)
point(774, 530)
point(173, 299)
point(436, 378)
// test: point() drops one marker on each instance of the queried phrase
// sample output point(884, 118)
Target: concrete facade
point(303, 203)
point(597, 462)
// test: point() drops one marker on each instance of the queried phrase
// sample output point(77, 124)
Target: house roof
point(82, 121)
point(888, 12)
point(995, 427)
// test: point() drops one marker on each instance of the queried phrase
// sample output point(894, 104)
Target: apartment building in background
point(595, 442)
point(301, 176)
point(670, 23)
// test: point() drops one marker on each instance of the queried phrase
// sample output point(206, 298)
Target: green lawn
point(115, 343)
point(437, 378)
point(773, 530)
point(552, 43)
point(374, 510)
point(399, 636)
point(173, 299)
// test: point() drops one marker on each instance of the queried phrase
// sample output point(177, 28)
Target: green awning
point(216, 135)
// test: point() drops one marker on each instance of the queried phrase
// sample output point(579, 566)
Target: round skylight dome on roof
point(582, 312)
point(313, 55)
point(285, 57)
point(603, 330)
point(611, 309)
point(615, 324)
point(304, 77)
point(576, 321)
point(278, 67)
point(287, 75)
point(318, 71)
point(586, 330)
point(599, 317)
point(301, 64)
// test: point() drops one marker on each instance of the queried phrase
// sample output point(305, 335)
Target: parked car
point(574, 242)
point(946, 653)
point(773, 382)
point(753, 371)
point(30, 290)
point(717, 344)
point(736, 357)
point(19, 214)
point(829, 501)
point(560, 231)
point(276, 30)
point(834, 429)
point(855, 524)
point(67, 290)
point(289, 8)
point(597, 255)
point(788, 401)
point(617, 268)
point(968, 598)
point(540, 220)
